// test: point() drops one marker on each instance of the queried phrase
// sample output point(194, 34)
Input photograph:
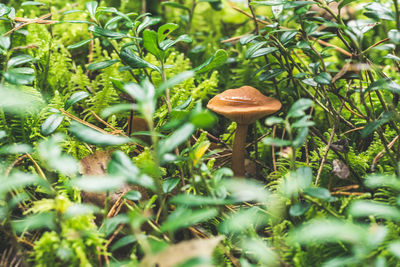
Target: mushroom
point(244, 106)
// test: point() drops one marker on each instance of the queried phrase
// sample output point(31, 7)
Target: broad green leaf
point(183, 217)
point(394, 36)
point(17, 101)
point(300, 137)
point(366, 208)
point(169, 184)
point(318, 192)
point(94, 137)
point(124, 241)
point(98, 183)
point(15, 149)
point(299, 107)
point(51, 154)
point(197, 200)
point(381, 180)
point(299, 209)
point(106, 33)
point(148, 21)
point(323, 78)
point(151, 44)
point(19, 180)
point(242, 220)
point(273, 120)
point(4, 10)
point(287, 36)
point(252, 49)
point(217, 60)
point(260, 252)
point(133, 195)
point(203, 119)
point(135, 62)
point(5, 42)
point(102, 65)
point(322, 231)
point(79, 44)
point(303, 122)
point(81, 209)
point(378, 11)
point(393, 57)
point(176, 138)
point(32, 3)
point(244, 190)
point(76, 97)
point(34, 222)
point(120, 164)
point(164, 45)
point(19, 76)
point(117, 109)
point(276, 142)
point(344, 3)
point(91, 8)
point(269, 74)
point(394, 248)
point(52, 123)
point(181, 77)
point(372, 126)
point(384, 84)
point(164, 30)
point(296, 182)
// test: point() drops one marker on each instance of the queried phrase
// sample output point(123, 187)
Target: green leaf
point(394, 248)
point(4, 10)
point(372, 126)
point(252, 49)
point(301, 137)
point(318, 192)
point(151, 44)
point(52, 123)
point(34, 222)
point(299, 107)
point(303, 122)
point(164, 45)
point(126, 240)
point(91, 8)
point(242, 220)
point(366, 208)
point(81, 209)
point(244, 190)
point(15, 149)
point(135, 62)
point(322, 231)
point(133, 195)
point(297, 181)
point(98, 183)
point(345, 3)
point(183, 217)
point(269, 74)
point(169, 184)
point(175, 5)
point(394, 36)
point(19, 60)
point(148, 21)
point(19, 76)
point(94, 137)
point(5, 42)
point(191, 200)
point(299, 209)
point(76, 97)
point(287, 36)
point(117, 109)
point(177, 79)
point(384, 84)
point(215, 61)
point(106, 33)
point(79, 44)
point(323, 78)
point(276, 142)
point(273, 120)
point(203, 119)
point(120, 164)
point(176, 138)
point(102, 65)
point(32, 3)
point(165, 30)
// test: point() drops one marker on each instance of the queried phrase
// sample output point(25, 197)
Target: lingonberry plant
point(109, 156)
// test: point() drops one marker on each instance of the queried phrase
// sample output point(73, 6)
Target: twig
point(380, 154)
point(348, 193)
point(83, 122)
point(347, 187)
point(116, 131)
point(353, 130)
point(325, 155)
point(273, 150)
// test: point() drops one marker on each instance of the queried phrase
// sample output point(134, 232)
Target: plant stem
point(239, 150)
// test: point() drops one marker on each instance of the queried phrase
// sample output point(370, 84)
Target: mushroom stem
point(238, 152)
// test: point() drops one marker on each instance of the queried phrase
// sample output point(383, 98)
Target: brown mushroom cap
point(243, 105)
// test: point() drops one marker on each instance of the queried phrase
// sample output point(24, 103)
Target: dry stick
point(15, 162)
point(82, 121)
point(120, 227)
point(347, 187)
point(116, 131)
point(39, 20)
point(380, 154)
point(348, 193)
point(325, 155)
point(353, 130)
point(37, 167)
